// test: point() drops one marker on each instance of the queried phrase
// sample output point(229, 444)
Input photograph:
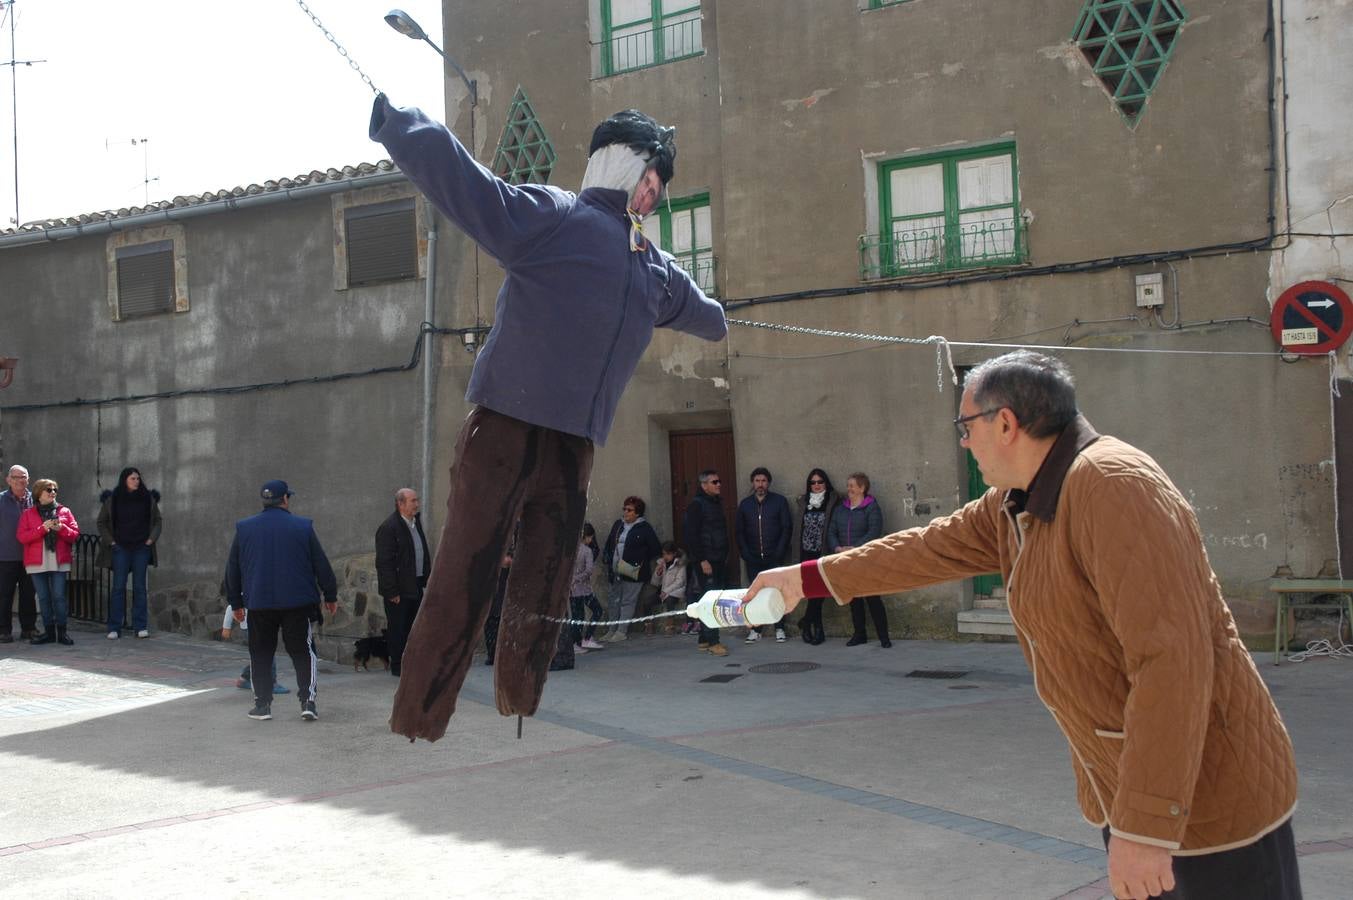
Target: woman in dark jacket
point(816, 506)
point(858, 520)
point(129, 528)
point(630, 550)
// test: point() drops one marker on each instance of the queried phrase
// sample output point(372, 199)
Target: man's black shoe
point(260, 712)
point(308, 711)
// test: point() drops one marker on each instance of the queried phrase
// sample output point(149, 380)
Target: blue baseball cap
point(275, 489)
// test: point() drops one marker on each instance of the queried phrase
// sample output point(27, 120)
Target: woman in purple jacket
point(858, 520)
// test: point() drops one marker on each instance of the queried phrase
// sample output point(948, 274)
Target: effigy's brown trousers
point(504, 470)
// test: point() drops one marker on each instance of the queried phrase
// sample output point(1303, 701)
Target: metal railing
point(651, 46)
point(935, 248)
point(88, 586)
point(701, 269)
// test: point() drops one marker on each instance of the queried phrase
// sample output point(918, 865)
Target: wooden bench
point(1290, 593)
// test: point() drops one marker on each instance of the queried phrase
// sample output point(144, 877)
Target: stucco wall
point(263, 308)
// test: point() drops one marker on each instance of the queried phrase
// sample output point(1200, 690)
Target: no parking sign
point(1312, 317)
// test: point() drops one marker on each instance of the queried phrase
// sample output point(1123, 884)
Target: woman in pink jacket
point(47, 531)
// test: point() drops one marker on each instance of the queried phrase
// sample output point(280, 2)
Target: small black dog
point(367, 647)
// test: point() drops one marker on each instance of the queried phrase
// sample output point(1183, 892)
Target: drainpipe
point(429, 321)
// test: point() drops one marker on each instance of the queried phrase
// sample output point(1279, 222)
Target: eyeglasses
point(712, 481)
point(49, 490)
point(816, 481)
point(961, 423)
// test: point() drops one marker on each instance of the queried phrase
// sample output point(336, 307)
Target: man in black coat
point(403, 563)
point(706, 533)
point(763, 530)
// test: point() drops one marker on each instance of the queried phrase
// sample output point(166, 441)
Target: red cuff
point(813, 584)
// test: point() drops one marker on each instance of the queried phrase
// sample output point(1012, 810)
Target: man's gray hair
point(1038, 389)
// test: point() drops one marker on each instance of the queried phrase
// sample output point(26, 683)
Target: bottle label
point(728, 612)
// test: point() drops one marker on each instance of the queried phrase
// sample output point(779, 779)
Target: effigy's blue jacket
point(577, 307)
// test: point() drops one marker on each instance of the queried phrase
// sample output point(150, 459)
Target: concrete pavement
point(130, 768)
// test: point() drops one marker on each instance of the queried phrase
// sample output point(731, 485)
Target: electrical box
point(1150, 290)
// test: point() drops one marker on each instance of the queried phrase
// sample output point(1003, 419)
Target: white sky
point(228, 94)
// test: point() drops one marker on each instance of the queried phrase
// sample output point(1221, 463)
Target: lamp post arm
point(473, 86)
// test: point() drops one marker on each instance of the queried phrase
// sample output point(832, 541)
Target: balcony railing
point(639, 49)
point(995, 242)
point(702, 271)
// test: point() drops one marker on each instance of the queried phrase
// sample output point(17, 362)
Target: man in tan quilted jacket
point(1179, 753)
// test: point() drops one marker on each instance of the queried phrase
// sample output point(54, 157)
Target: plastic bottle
point(725, 609)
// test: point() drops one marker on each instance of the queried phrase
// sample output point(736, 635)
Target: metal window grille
point(382, 242)
point(524, 151)
point(660, 35)
point(145, 279)
point(1128, 43)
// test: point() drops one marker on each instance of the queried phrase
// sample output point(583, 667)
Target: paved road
point(130, 769)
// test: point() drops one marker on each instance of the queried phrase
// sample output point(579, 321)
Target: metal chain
point(342, 51)
point(609, 622)
point(823, 332)
point(942, 351)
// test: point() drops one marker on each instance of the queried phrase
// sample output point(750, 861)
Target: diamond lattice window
point(1128, 43)
point(524, 152)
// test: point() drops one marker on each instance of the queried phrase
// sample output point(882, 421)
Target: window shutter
point(145, 279)
point(382, 242)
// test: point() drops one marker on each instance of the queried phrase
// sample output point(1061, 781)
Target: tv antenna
point(14, 62)
point(143, 143)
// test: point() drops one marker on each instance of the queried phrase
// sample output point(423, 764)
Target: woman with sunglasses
point(47, 531)
point(816, 506)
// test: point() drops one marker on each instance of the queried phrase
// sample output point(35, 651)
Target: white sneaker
point(112, 635)
point(579, 649)
point(620, 636)
point(753, 637)
point(143, 633)
point(779, 635)
point(590, 644)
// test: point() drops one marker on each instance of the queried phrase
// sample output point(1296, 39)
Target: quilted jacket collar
point(1041, 499)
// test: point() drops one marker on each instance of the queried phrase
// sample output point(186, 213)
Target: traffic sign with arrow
point(1312, 317)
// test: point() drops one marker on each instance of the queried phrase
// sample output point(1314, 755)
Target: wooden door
point(692, 452)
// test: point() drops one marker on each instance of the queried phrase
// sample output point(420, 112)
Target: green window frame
point(946, 211)
point(879, 4)
point(686, 230)
point(1128, 44)
point(637, 34)
point(524, 150)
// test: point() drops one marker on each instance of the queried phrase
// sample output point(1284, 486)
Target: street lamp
point(404, 23)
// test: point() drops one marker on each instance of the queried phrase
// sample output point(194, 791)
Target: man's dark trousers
point(714, 581)
point(12, 575)
point(295, 624)
point(399, 619)
point(755, 569)
point(1264, 870)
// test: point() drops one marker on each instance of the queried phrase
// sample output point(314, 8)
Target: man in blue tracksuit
point(276, 572)
point(583, 290)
